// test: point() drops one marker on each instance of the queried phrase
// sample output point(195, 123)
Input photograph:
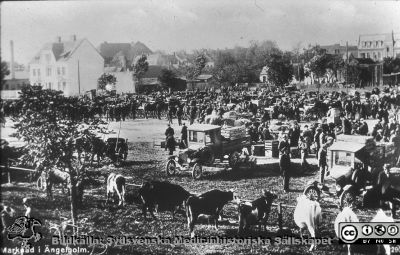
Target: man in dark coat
point(317, 140)
point(169, 140)
point(322, 160)
point(388, 192)
point(184, 136)
point(179, 114)
point(363, 129)
point(346, 126)
point(284, 161)
point(294, 139)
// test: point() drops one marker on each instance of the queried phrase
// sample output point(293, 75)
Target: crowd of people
point(266, 113)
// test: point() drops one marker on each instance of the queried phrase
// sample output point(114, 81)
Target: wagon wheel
point(312, 192)
point(233, 159)
point(171, 167)
point(41, 183)
point(197, 171)
point(347, 198)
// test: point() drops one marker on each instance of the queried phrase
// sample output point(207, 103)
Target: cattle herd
point(165, 196)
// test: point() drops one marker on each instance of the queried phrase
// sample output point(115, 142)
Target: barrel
point(275, 151)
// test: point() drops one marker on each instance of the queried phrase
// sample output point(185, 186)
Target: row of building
point(74, 65)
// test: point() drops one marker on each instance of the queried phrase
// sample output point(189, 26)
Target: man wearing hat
point(184, 136)
point(346, 125)
point(317, 139)
point(169, 140)
point(363, 128)
point(322, 160)
point(388, 193)
point(379, 135)
point(284, 161)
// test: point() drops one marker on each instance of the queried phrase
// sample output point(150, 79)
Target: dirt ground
point(146, 162)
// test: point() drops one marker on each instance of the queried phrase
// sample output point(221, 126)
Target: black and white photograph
point(210, 127)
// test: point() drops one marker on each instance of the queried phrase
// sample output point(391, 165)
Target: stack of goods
point(383, 150)
point(233, 133)
point(368, 141)
point(258, 150)
point(268, 148)
point(271, 148)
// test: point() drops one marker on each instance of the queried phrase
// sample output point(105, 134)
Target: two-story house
point(72, 66)
point(379, 46)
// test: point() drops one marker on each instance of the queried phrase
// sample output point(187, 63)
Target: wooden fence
point(8, 169)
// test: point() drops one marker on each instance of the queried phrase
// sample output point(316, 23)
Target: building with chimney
point(72, 66)
point(14, 81)
point(379, 46)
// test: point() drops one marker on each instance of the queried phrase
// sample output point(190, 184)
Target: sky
point(172, 25)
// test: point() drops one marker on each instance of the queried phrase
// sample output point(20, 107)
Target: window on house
point(64, 85)
point(49, 71)
point(34, 72)
point(63, 70)
point(58, 71)
point(379, 55)
point(38, 72)
point(6, 87)
point(264, 79)
point(48, 58)
point(49, 85)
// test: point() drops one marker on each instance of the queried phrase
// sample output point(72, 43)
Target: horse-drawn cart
point(205, 145)
point(116, 148)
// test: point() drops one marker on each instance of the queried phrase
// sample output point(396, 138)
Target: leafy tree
point(391, 65)
point(106, 79)
point(140, 68)
point(317, 66)
point(4, 71)
point(192, 71)
point(299, 72)
point(49, 128)
point(357, 74)
point(167, 78)
point(280, 70)
point(335, 63)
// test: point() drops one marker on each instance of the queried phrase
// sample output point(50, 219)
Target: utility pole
point(347, 67)
point(79, 80)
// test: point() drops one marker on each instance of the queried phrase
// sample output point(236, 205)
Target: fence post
point(8, 177)
point(280, 215)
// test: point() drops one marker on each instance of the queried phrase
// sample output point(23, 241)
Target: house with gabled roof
point(72, 66)
point(118, 51)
